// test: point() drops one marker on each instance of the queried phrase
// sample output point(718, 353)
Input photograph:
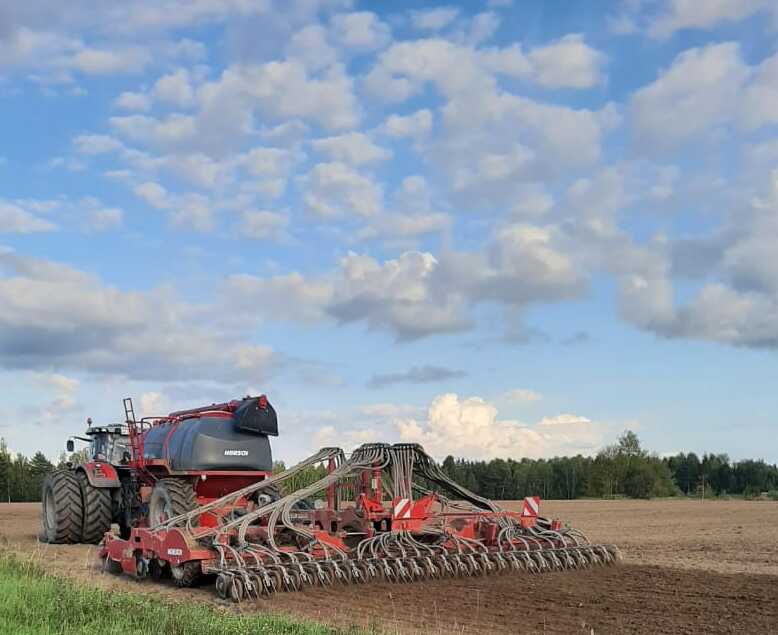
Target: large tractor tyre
point(98, 510)
point(171, 497)
point(63, 510)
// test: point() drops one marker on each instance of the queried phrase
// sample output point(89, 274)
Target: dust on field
point(690, 567)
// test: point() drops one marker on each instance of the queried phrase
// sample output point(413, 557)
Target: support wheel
point(186, 575)
point(97, 510)
point(63, 510)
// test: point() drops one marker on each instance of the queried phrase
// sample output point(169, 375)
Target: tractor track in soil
point(680, 596)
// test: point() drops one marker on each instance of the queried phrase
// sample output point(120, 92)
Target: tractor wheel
point(63, 511)
point(97, 511)
point(171, 497)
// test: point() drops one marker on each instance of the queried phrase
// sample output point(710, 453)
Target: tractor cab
point(109, 443)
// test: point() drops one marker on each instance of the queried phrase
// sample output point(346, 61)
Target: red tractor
point(145, 471)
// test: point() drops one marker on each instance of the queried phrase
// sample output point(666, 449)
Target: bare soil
point(689, 567)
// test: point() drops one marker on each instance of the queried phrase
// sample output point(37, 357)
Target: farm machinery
point(384, 512)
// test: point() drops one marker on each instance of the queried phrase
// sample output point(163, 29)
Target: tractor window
point(120, 446)
point(99, 448)
point(110, 448)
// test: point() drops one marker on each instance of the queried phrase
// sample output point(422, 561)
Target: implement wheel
point(63, 510)
point(187, 574)
point(97, 510)
point(171, 497)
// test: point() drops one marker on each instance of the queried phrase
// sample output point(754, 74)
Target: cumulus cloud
point(334, 190)
point(704, 89)
point(689, 14)
point(470, 427)
point(14, 219)
point(93, 144)
point(691, 97)
point(354, 148)
point(360, 30)
point(175, 88)
point(522, 395)
point(133, 101)
point(433, 19)
point(491, 141)
point(55, 316)
point(416, 375)
point(263, 225)
point(417, 294)
point(737, 301)
point(414, 125)
point(567, 63)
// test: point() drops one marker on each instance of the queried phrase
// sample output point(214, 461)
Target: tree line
point(624, 469)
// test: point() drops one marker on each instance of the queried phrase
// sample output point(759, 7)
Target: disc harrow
point(386, 513)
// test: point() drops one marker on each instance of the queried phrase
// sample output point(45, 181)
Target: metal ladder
point(136, 438)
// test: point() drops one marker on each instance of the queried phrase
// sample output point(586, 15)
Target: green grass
point(32, 602)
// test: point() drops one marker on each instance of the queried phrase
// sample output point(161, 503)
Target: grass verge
point(33, 602)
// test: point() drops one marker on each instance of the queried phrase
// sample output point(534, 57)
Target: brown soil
point(689, 568)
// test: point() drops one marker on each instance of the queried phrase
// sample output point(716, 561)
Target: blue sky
point(494, 228)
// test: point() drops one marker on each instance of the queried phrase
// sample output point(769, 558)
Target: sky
point(498, 229)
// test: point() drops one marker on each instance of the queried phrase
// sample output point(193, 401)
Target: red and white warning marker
point(531, 507)
point(401, 508)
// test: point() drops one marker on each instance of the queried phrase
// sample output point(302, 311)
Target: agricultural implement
point(195, 499)
point(386, 512)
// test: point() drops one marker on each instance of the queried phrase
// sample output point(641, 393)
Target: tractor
point(142, 472)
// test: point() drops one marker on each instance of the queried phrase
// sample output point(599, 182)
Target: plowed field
point(689, 567)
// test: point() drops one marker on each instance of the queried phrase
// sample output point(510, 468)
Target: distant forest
point(624, 469)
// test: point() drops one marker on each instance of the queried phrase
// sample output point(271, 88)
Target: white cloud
point(433, 19)
point(59, 395)
point(96, 144)
point(190, 211)
point(53, 315)
point(737, 301)
point(698, 92)
point(691, 14)
point(354, 148)
point(280, 90)
point(110, 62)
point(104, 219)
point(491, 142)
point(14, 219)
point(334, 190)
point(153, 193)
point(522, 395)
point(760, 100)
point(361, 30)
point(153, 404)
point(288, 297)
point(397, 228)
point(567, 63)
point(310, 45)
point(417, 294)
point(471, 428)
point(415, 125)
point(262, 225)
point(481, 28)
point(175, 88)
point(133, 102)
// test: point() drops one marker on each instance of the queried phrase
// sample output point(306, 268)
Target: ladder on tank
point(136, 433)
